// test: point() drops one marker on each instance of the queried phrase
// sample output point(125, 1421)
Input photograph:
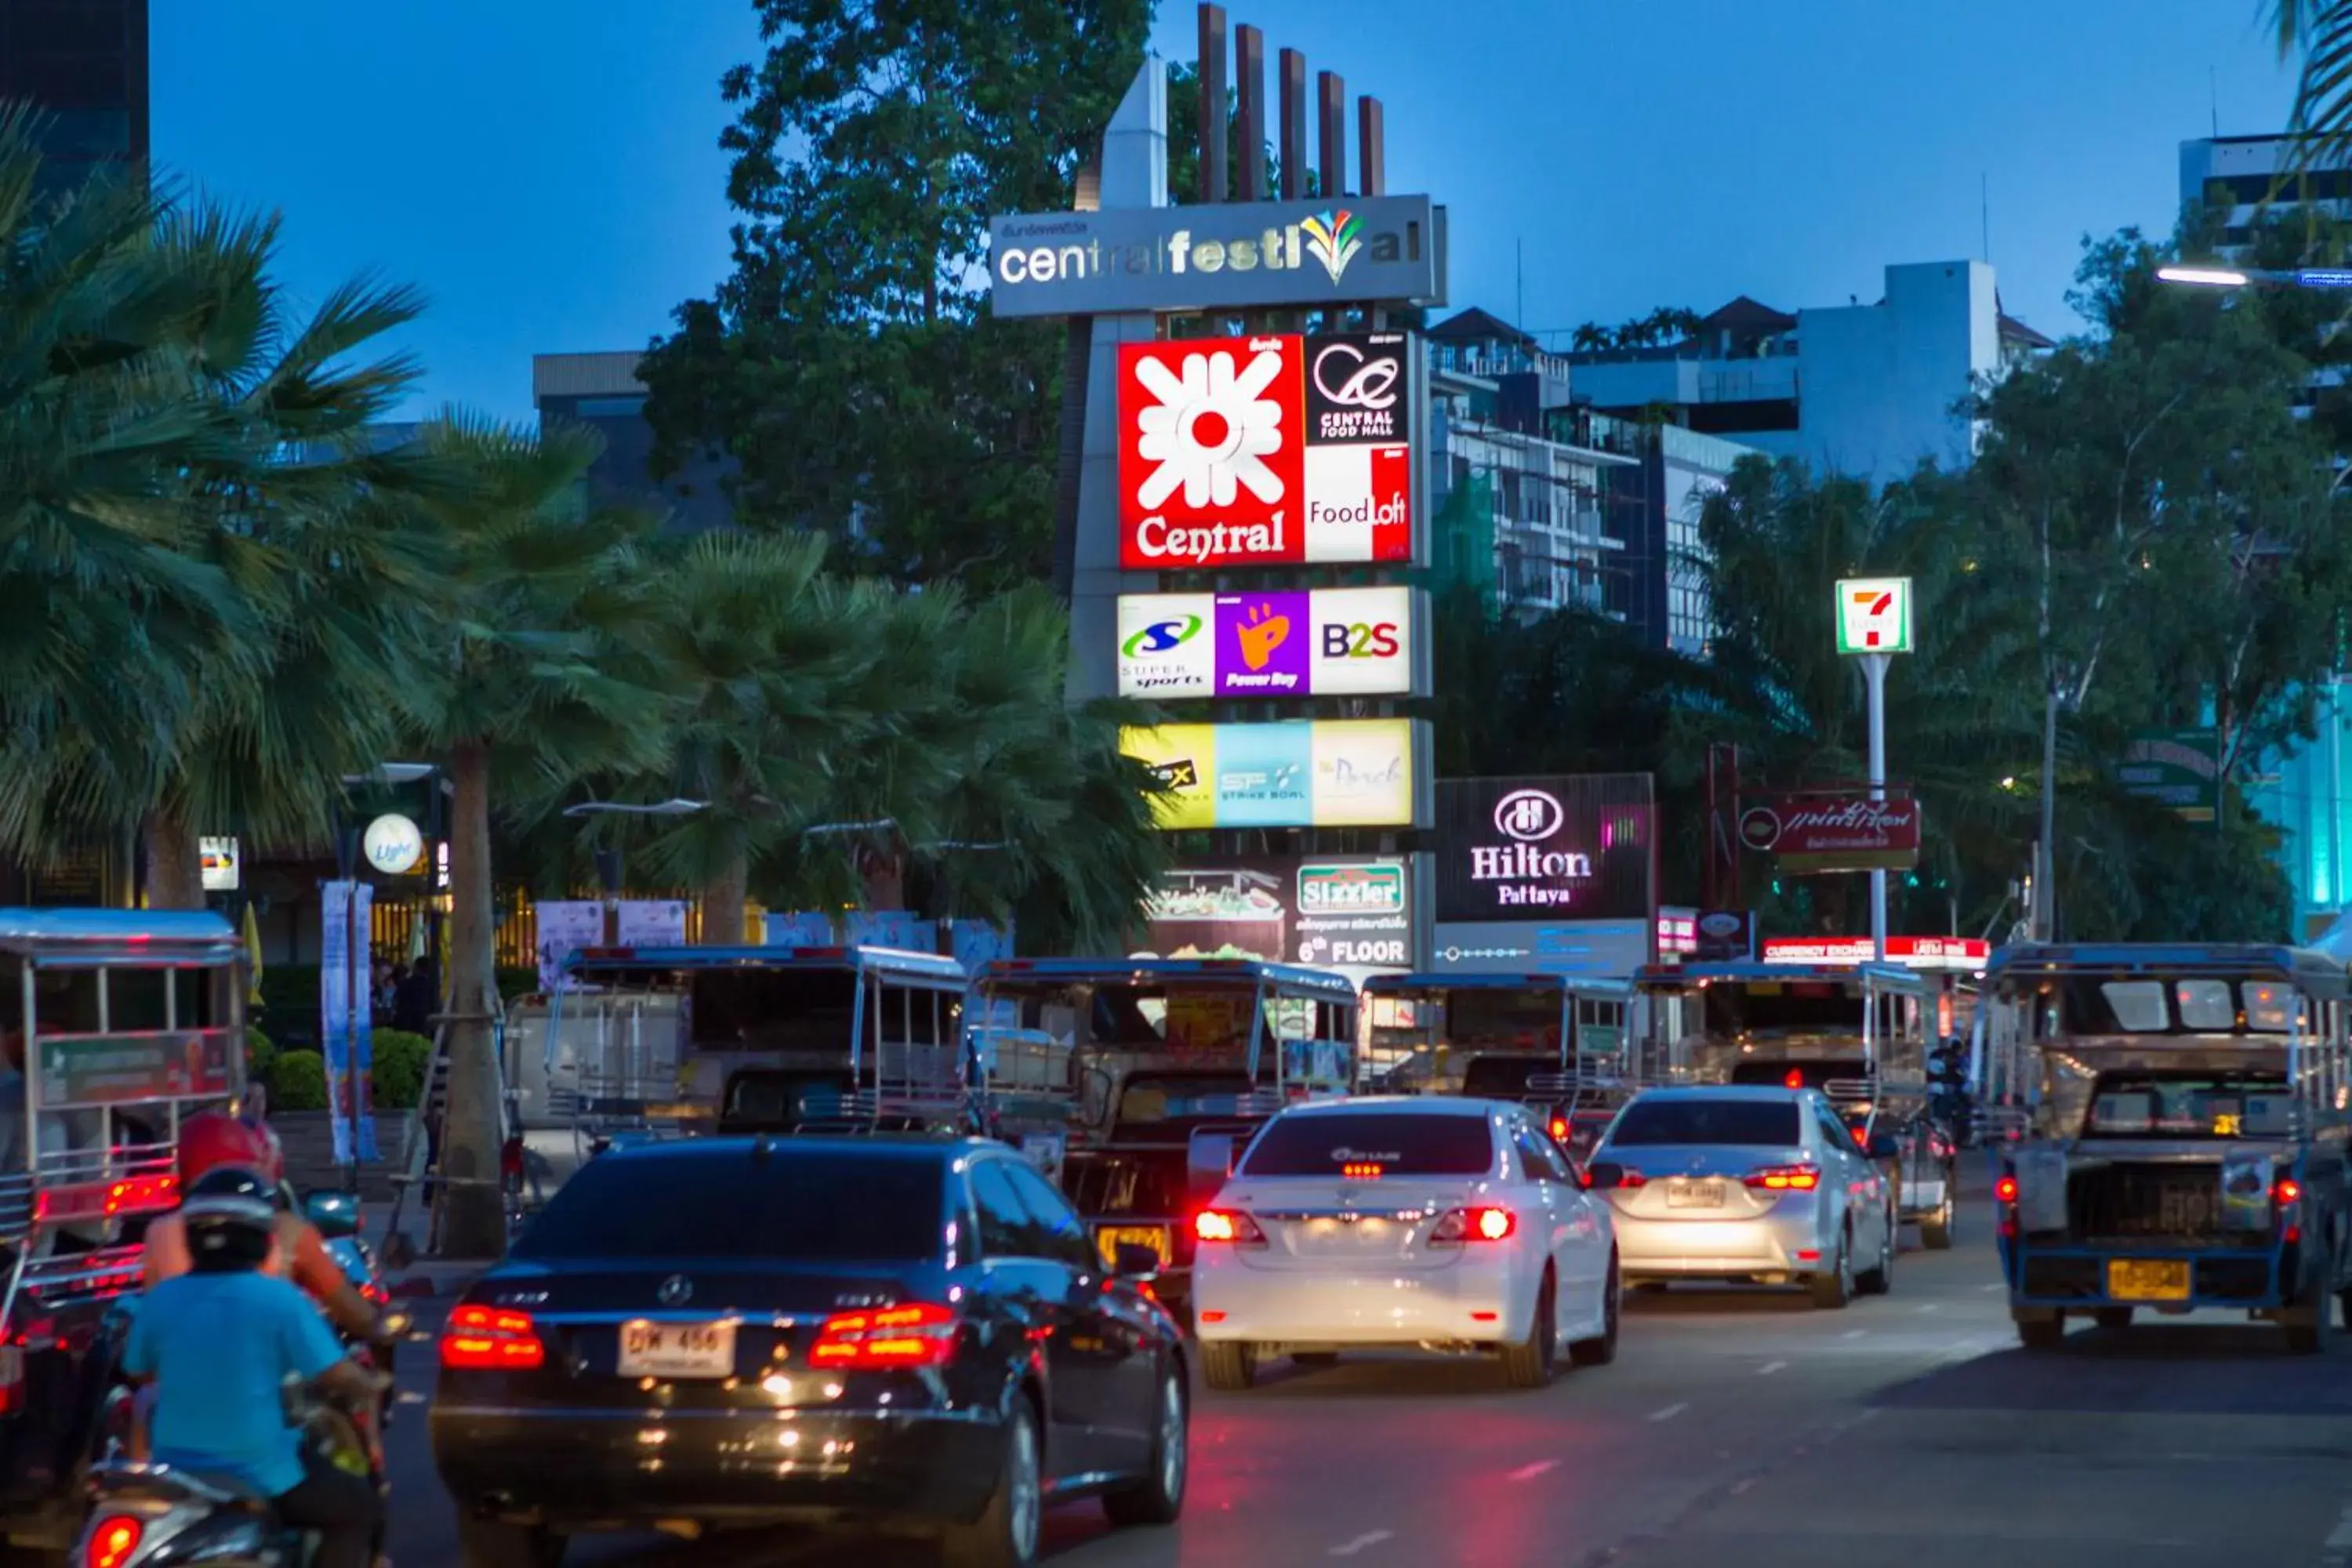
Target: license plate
point(1111, 1237)
point(676, 1350)
point(2146, 1280)
point(1694, 1195)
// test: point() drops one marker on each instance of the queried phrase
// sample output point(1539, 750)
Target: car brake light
point(1629, 1177)
point(1784, 1179)
point(1360, 1171)
point(2005, 1189)
point(1560, 1129)
point(1474, 1225)
point(488, 1338)
point(1227, 1224)
point(2288, 1190)
point(1794, 1080)
point(918, 1335)
point(113, 1541)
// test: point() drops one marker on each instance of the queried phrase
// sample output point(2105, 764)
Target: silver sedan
point(1746, 1183)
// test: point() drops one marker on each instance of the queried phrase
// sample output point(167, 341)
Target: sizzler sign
point(1270, 450)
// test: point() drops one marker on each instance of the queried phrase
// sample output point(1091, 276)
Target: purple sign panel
point(1265, 644)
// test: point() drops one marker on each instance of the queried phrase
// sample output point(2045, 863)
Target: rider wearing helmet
point(220, 1341)
point(214, 1140)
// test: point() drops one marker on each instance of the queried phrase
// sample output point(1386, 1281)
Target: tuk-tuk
point(1150, 1053)
point(785, 1040)
point(1857, 1032)
point(115, 1026)
point(2181, 1133)
point(1557, 1045)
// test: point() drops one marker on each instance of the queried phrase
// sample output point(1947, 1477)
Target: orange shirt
point(300, 1256)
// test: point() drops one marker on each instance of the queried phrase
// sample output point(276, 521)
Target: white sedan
point(1432, 1223)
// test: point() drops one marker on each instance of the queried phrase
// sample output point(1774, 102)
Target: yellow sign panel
point(1296, 774)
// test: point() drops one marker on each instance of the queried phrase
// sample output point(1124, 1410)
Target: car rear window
point(1401, 1146)
point(1754, 1121)
point(790, 1206)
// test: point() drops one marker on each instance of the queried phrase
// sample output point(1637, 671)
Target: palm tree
point(535, 682)
point(2321, 32)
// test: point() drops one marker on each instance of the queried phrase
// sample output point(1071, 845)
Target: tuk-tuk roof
point(2304, 968)
point(887, 959)
point(93, 936)
point(1320, 983)
point(1682, 976)
point(1438, 980)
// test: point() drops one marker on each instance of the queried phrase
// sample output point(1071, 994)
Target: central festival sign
point(1269, 450)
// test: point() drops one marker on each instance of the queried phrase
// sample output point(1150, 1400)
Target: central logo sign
point(1228, 457)
point(1326, 642)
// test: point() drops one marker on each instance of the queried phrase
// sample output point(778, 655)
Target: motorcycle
point(144, 1514)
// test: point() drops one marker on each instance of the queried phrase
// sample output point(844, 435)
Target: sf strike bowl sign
point(1264, 451)
point(1324, 642)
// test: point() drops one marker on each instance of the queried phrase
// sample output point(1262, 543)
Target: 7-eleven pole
point(1874, 620)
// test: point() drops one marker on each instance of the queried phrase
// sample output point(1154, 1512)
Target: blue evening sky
point(548, 170)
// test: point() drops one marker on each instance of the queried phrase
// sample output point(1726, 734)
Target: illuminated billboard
point(1321, 642)
point(1334, 772)
point(1266, 451)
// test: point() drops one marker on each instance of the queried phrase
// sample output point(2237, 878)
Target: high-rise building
point(2234, 177)
point(1870, 391)
point(602, 390)
point(83, 63)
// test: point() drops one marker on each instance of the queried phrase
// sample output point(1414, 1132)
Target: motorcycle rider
point(220, 1341)
point(213, 1139)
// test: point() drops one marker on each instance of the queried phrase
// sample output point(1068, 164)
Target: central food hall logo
point(1163, 637)
point(1334, 238)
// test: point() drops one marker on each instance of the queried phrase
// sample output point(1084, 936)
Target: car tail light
point(1629, 1177)
point(1794, 1080)
point(2005, 1189)
point(1360, 1171)
point(491, 1339)
point(1784, 1179)
point(918, 1334)
point(113, 1539)
point(1474, 1225)
point(2287, 1191)
point(1560, 1129)
point(1227, 1224)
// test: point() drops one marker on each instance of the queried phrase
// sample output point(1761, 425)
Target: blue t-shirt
point(220, 1347)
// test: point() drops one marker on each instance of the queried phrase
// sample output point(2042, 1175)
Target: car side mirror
point(1209, 1160)
point(1602, 1174)
point(1133, 1260)
point(1885, 1146)
point(335, 1213)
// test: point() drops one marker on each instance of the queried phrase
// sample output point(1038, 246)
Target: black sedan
point(911, 1335)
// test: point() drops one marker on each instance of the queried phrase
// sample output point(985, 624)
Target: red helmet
point(212, 1138)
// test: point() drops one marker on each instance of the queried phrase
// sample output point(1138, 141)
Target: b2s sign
point(1220, 465)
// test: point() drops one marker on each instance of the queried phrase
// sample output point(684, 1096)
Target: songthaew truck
point(2179, 1133)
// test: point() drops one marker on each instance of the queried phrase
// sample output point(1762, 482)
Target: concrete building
point(602, 390)
point(83, 63)
point(1871, 391)
point(2235, 177)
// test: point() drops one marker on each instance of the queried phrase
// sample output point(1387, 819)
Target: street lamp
point(2256, 277)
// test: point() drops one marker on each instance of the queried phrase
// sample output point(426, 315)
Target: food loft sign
point(1142, 259)
point(1834, 833)
point(1271, 450)
point(1324, 642)
point(1361, 773)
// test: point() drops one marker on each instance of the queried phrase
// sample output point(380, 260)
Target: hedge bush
point(260, 1051)
point(400, 1063)
point(298, 1082)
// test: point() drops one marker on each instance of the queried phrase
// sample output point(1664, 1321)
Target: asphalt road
point(1737, 1428)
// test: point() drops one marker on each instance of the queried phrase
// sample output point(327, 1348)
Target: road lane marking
point(1989, 1289)
point(1529, 1472)
point(1669, 1413)
point(1769, 1367)
point(1370, 1537)
point(1854, 1334)
point(1933, 1307)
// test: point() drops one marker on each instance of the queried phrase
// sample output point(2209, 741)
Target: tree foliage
point(847, 363)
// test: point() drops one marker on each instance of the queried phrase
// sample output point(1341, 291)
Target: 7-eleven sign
point(1874, 615)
